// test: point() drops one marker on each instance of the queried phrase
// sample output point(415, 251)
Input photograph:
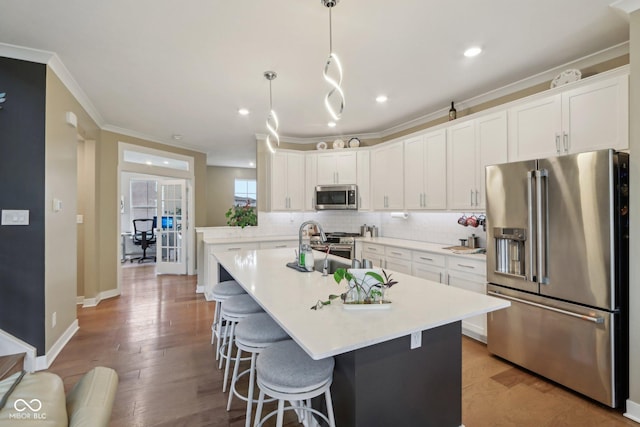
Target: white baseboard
point(199, 289)
point(633, 411)
point(79, 300)
point(12, 345)
point(43, 362)
point(92, 302)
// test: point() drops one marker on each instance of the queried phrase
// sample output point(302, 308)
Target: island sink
point(332, 265)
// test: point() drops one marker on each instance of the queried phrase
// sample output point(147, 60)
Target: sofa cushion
point(90, 401)
point(37, 401)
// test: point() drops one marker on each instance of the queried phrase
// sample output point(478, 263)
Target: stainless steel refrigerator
point(557, 248)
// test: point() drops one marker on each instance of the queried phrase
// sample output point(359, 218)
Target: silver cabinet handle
point(448, 278)
point(565, 141)
point(594, 319)
point(477, 202)
point(337, 177)
point(440, 277)
point(281, 246)
point(234, 249)
point(466, 266)
point(471, 197)
point(396, 253)
point(426, 259)
point(558, 143)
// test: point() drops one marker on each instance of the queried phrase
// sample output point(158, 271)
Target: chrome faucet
point(323, 237)
point(325, 264)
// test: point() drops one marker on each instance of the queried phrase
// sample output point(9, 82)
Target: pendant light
point(336, 85)
point(272, 119)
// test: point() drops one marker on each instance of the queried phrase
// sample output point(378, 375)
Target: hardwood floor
point(157, 336)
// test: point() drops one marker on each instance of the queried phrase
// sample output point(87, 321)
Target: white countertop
point(418, 246)
point(225, 240)
point(287, 295)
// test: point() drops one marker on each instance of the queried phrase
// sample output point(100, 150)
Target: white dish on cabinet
point(567, 76)
point(338, 143)
point(321, 145)
point(354, 143)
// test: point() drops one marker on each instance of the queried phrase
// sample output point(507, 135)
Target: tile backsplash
point(436, 227)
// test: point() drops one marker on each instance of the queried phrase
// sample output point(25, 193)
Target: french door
point(171, 228)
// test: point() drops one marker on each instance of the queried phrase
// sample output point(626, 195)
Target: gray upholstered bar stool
point(254, 333)
point(286, 372)
point(234, 309)
point(218, 293)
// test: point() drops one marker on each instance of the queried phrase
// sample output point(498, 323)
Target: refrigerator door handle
point(541, 227)
point(532, 264)
point(594, 319)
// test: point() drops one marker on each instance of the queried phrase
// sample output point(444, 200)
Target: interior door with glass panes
point(171, 241)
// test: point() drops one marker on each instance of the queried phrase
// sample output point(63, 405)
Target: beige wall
point(634, 210)
point(108, 201)
point(220, 186)
point(60, 227)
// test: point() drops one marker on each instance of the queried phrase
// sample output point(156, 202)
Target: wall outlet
point(54, 319)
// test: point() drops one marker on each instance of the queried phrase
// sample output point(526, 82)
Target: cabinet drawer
point(279, 244)
point(429, 258)
point(426, 271)
point(233, 247)
point(400, 253)
point(399, 265)
point(473, 266)
point(373, 248)
point(376, 259)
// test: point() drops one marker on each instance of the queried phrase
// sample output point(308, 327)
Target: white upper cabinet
point(424, 169)
point(364, 179)
point(589, 117)
point(287, 181)
point(337, 168)
point(492, 148)
point(471, 146)
point(311, 174)
point(596, 116)
point(387, 177)
point(461, 167)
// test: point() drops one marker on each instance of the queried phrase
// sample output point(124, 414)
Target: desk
point(379, 379)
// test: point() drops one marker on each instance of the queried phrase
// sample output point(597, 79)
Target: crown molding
point(140, 135)
point(586, 61)
point(52, 60)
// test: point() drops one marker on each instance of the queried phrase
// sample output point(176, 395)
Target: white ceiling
point(159, 68)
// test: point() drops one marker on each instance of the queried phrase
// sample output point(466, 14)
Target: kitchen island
point(395, 366)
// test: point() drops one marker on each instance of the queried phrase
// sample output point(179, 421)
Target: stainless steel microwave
point(336, 197)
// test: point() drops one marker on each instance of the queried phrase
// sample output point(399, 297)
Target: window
point(143, 195)
point(245, 190)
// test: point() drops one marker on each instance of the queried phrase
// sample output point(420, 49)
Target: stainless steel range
point(340, 244)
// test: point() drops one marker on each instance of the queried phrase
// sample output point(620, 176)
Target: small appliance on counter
point(368, 231)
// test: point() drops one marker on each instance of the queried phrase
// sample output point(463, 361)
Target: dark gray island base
point(389, 384)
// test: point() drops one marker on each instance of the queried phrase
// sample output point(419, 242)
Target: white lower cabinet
point(397, 259)
point(470, 275)
point(428, 265)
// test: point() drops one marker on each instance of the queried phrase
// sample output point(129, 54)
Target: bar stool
point(286, 372)
point(234, 309)
point(253, 334)
point(218, 293)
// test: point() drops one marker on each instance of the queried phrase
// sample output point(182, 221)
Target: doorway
point(156, 185)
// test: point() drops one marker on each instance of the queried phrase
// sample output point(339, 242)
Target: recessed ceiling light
point(177, 137)
point(381, 99)
point(166, 162)
point(331, 124)
point(148, 162)
point(243, 111)
point(251, 164)
point(472, 51)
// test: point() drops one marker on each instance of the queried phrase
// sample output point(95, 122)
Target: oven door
point(343, 251)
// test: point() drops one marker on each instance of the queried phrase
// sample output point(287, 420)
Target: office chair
point(143, 236)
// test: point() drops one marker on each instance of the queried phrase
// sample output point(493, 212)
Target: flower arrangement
point(367, 288)
point(241, 216)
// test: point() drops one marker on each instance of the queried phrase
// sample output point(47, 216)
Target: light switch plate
point(416, 340)
point(15, 217)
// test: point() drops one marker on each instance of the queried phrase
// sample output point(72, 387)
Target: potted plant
point(363, 287)
point(241, 216)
